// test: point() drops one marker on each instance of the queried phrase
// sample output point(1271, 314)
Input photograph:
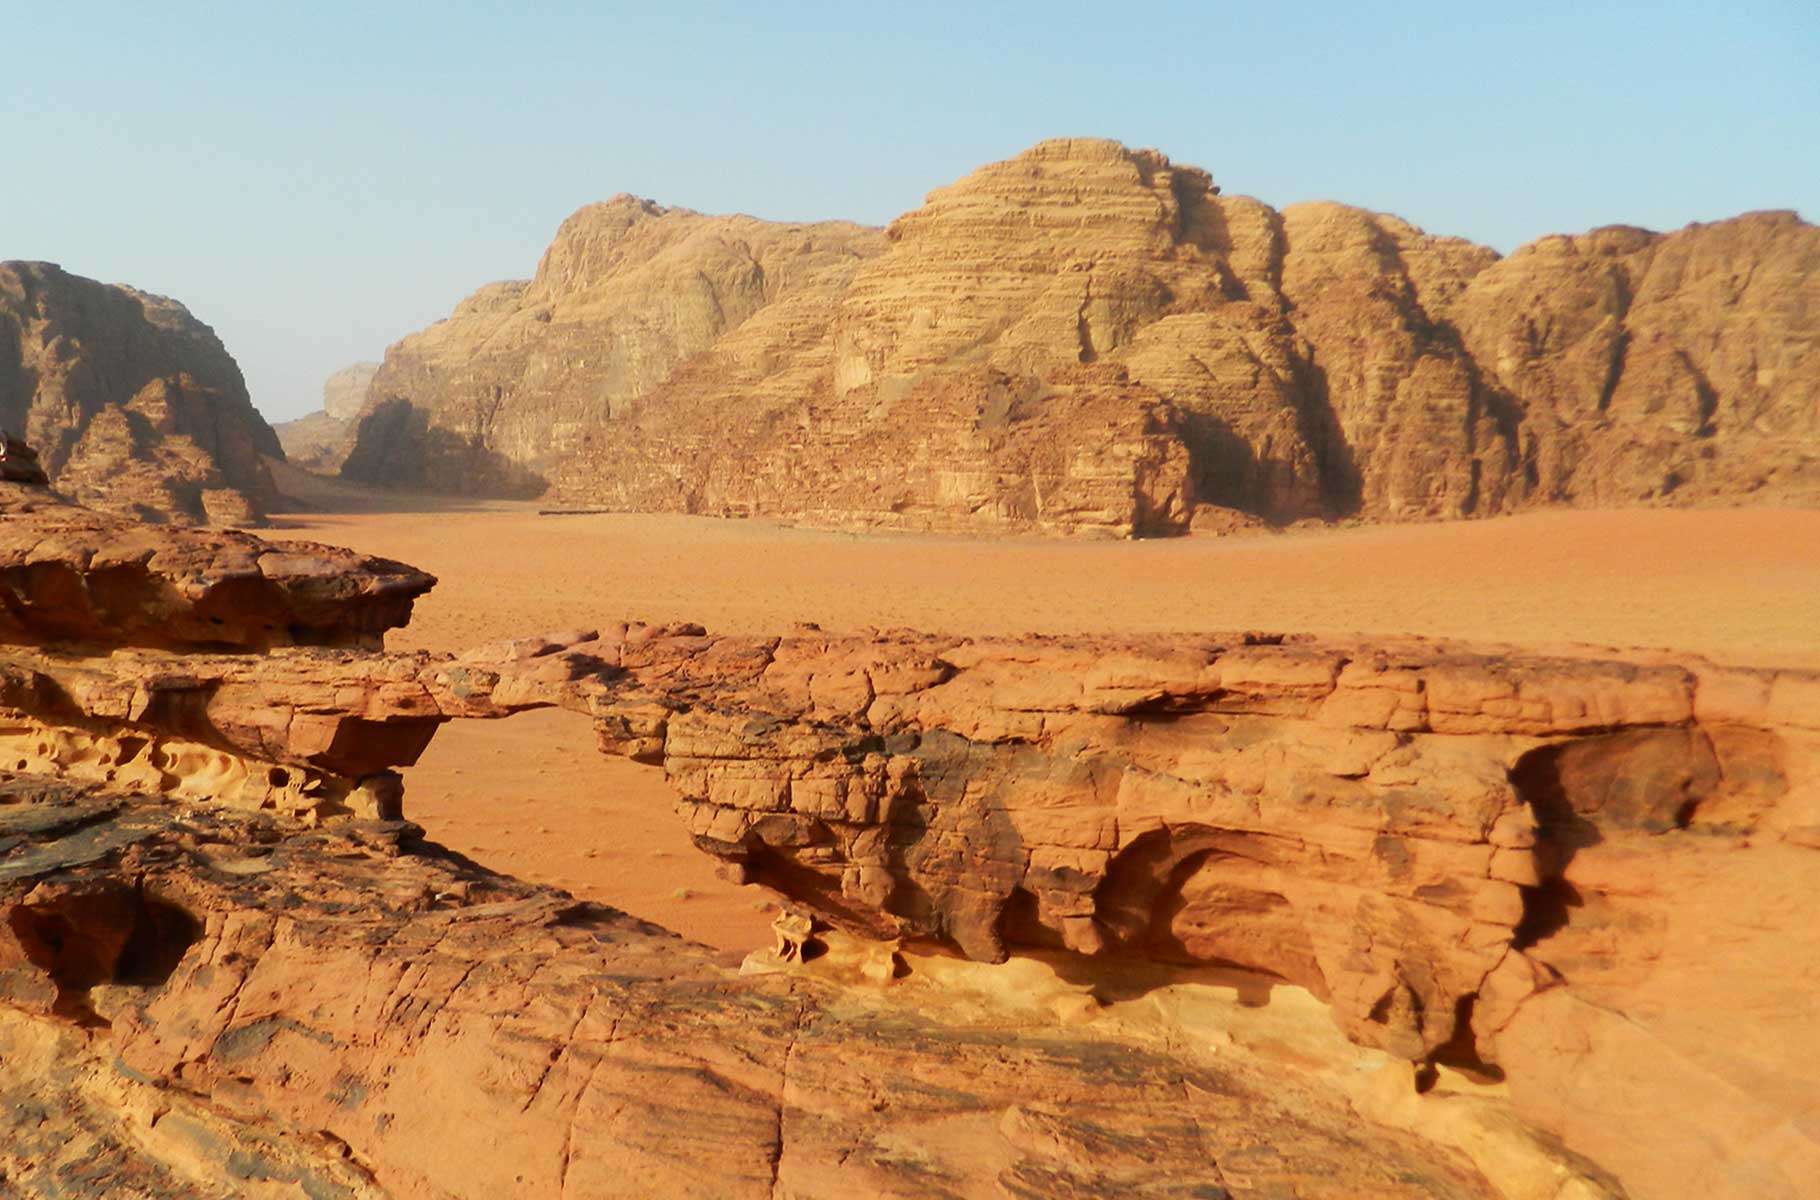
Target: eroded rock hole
point(1545, 779)
point(161, 936)
point(1198, 895)
point(1547, 909)
point(1022, 924)
point(116, 934)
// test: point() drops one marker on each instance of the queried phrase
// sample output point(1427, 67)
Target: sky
point(316, 180)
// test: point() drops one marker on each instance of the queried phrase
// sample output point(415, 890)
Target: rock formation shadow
point(395, 446)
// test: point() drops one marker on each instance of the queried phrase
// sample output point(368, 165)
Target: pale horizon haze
point(316, 182)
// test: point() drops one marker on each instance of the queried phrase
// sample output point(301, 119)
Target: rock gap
point(532, 796)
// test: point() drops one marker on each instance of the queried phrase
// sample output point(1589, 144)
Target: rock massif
point(318, 442)
point(134, 405)
point(1087, 338)
point(1581, 882)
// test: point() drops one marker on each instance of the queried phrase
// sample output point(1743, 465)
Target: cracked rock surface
point(232, 1004)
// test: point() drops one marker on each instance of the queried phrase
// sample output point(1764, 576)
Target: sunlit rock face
point(133, 404)
point(1578, 883)
point(75, 577)
point(629, 292)
point(1091, 339)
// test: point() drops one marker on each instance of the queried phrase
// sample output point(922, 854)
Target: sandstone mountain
point(318, 441)
point(134, 405)
point(1091, 338)
point(628, 293)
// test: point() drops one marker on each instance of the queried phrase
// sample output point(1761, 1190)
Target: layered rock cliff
point(1557, 906)
point(133, 404)
point(318, 442)
point(1087, 338)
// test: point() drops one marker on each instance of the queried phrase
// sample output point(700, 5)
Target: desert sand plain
point(531, 797)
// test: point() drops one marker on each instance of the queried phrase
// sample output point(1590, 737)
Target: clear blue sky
point(317, 179)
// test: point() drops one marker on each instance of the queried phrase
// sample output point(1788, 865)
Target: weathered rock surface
point(1086, 338)
point(1583, 875)
point(134, 405)
point(71, 575)
point(206, 1003)
point(1519, 867)
point(1587, 877)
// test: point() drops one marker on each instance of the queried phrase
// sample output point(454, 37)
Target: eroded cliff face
point(1584, 877)
point(134, 405)
point(1091, 339)
point(1648, 367)
point(485, 401)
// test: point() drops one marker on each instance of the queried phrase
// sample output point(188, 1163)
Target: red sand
point(531, 795)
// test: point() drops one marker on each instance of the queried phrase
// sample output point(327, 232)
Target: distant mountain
point(133, 405)
point(319, 440)
point(1087, 338)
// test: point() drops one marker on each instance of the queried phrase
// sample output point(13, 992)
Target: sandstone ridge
point(1555, 905)
point(72, 576)
point(1092, 339)
point(134, 405)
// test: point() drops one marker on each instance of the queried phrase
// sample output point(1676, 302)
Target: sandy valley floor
point(531, 796)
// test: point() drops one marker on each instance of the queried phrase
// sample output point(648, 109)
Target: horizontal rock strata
point(1485, 861)
point(134, 405)
point(1091, 339)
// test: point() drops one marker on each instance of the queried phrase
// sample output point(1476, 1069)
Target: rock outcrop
point(318, 442)
point(134, 405)
point(1534, 868)
point(1090, 339)
point(211, 1003)
point(71, 576)
point(1581, 879)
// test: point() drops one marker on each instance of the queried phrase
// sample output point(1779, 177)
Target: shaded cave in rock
point(116, 935)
